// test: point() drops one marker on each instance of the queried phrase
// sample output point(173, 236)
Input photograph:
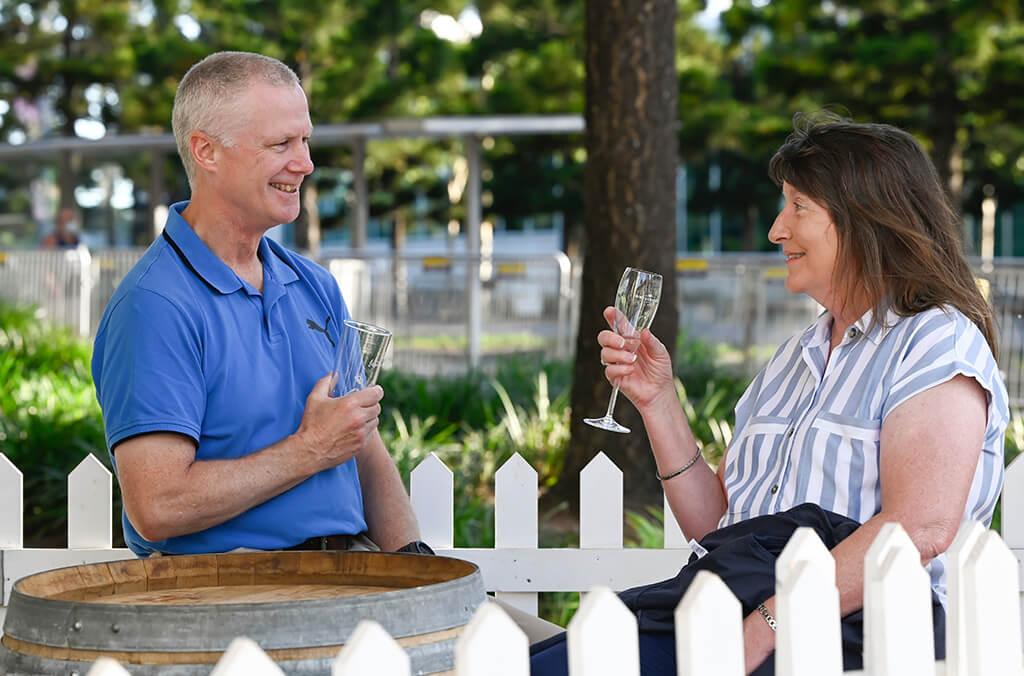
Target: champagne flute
point(636, 302)
point(358, 359)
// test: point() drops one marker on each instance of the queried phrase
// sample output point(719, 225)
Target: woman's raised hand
point(640, 366)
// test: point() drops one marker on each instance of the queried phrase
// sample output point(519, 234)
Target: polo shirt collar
point(274, 261)
point(208, 266)
point(203, 262)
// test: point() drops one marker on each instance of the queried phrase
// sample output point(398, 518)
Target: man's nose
point(302, 163)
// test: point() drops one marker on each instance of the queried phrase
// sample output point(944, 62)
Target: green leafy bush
point(49, 417)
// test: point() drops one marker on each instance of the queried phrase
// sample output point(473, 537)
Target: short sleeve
point(149, 370)
point(946, 344)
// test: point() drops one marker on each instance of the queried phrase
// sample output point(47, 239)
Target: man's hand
point(335, 429)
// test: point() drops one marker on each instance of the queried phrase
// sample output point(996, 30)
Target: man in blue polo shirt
point(212, 357)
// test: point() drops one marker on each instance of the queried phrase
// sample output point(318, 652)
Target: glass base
point(607, 423)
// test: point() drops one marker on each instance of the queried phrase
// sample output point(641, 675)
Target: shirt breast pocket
point(848, 427)
point(844, 463)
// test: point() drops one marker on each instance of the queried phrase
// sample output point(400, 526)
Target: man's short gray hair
point(209, 88)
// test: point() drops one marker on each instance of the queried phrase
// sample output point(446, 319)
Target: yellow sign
point(437, 263)
point(509, 269)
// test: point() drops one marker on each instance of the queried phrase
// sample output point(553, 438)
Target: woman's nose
point(778, 232)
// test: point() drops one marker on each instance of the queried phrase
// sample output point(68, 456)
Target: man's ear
point(204, 151)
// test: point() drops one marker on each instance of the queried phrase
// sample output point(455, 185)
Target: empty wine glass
point(636, 303)
point(360, 354)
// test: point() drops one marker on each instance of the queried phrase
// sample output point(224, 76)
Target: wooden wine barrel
point(175, 615)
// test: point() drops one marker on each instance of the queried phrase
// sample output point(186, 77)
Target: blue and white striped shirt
point(808, 427)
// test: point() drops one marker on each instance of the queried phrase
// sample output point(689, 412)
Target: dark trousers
point(743, 556)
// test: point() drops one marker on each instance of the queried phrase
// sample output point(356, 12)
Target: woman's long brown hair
point(899, 239)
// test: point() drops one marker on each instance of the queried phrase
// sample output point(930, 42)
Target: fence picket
point(105, 666)
point(431, 493)
point(956, 629)
point(515, 519)
point(1013, 504)
point(492, 644)
point(889, 537)
point(805, 545)
point(603, 637)
point(600, 504)
point(674, 538)
point(245, 658)
point(991, 609)
point(90, 503)
point(371, 651)
point(709, 629)
point(12, 505)
point(901, 624)
point(807, 608)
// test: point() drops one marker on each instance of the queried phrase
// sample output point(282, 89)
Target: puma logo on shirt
point(321, 329)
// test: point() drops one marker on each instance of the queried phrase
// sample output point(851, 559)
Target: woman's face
point(807, 235)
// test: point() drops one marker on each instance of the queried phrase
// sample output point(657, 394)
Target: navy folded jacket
point(743, 555)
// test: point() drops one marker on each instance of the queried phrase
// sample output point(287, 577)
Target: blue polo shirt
point(187, 346)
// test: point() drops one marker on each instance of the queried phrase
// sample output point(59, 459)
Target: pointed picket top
point(515, 519)
point(901, 624)
point(956, 629)
point(1013, 504)
point(674, 538)
point(105, 666)
point(515, 504)
point(492, 644)
point(12, 505)
point(600, 504)
point(603, 637)
point(991, 609)
point(431, 492)
point(371, 651)
point(805, 545)
point(245, 658)
point(890, 537)
point(808, 639)
point(709, 629)
point(90, 505)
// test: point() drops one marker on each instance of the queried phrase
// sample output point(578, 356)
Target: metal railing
point(529, 304)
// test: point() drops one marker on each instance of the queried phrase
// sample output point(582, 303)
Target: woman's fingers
point(610, 339)
point(610, 356)
point(616, 372)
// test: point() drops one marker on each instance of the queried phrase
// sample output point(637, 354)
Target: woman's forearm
point(696, 496)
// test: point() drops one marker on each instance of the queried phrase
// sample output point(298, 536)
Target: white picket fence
point(984, 584)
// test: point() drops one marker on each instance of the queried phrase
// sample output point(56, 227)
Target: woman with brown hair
point(889, 407)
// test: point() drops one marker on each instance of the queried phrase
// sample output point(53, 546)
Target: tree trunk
point(307, 225)
point(629, 211)
point(944, 118)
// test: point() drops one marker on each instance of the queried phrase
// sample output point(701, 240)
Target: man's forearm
point(389, 514)
point(210, 492)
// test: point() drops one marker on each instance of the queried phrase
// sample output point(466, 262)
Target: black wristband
point(417, 547)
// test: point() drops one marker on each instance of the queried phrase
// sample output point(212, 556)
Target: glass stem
point(611, 402)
